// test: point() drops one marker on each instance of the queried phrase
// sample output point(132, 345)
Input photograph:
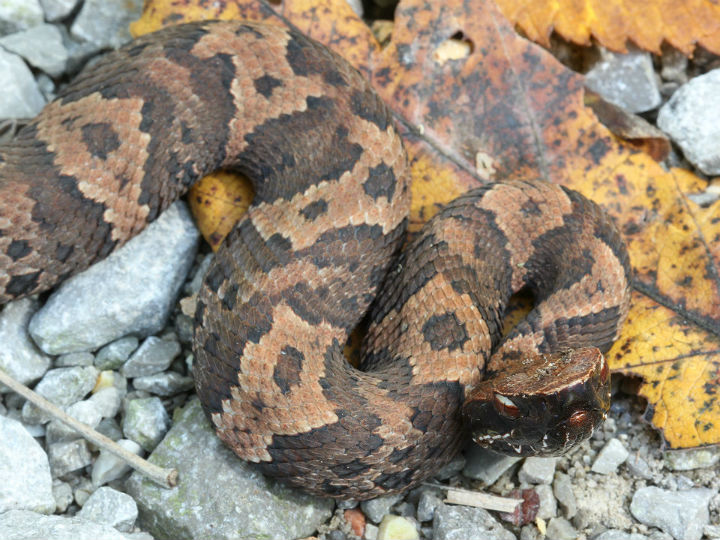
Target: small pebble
point(164, 384)
point(108, 467)
point(356, 519)
point(57, 9)
point(68, 456)
point(19, 356)
point(696, 458)
point(394, 527)
point(63, 387)
point(615, 534)
point(107, 401)
point(105, 22)
point(84, 411)
point(115, 354)
point(561, 529)
point(111, 507)
point(62, 492)
point(41, 46)
point(638, 467)
point(563, 491)
point(429, 501)
point(537, 470)
point(463, 522)
point(485, 465)
point(371, 532)
point(548, 504)
point(18, 15)
point(153, 356)
point(682, 514)
point(376, 509)
point(612, 455)
point(145, 422)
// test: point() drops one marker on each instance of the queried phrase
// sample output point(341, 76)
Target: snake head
point(543, 405)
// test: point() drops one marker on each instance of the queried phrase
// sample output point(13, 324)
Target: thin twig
point(477, 499)
point(164, 477)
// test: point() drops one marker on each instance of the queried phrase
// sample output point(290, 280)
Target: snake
point(322, 248)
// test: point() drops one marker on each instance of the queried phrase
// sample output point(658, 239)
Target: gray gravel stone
point(218, 491)
point(57, 9)
point(107, 401)
point(615, 534)
point(26, 525)
point(429, 500)
point(18, 15)
point(84, 411)
point(131, 292)
point(24, 471)
point(537, 470)
point(637, 466)
point(21, 97)
point(692, 119)
point(145, 422)
point(75, 359)
point(108, 467)
point(560, 529)
point(105, 22)
point(627, 80)
point(111, 507)
point(115, 354)
point(563, 491)
point(548, 504)
point(63, 387)
point(696, 458)
point(168, 383)
point(485, 465)
point(153, 356)
point(62, 492)
point(42, 46)
point(66, 457)
point(682, 514)
point(19, 357)
point(376, 509)
point(450, 469)
point(463, 522)
point(612, 455)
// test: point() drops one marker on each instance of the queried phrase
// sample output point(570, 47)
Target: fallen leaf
point(505, 108)
point(647, 23)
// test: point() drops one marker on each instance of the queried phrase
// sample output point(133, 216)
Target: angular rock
point(24, 471)
point(612, 455)
point(57, 9)
point(463, 522)
point(111, 507)
point(84, 411)
point(63, 387)
point(114, 355)
point(692, 119)
point(537, 470)
point(397, 528)
point(109, 467)
point(138, 286)
point(105, 22)
point(637, 466)
point(615, 534)
point(485, 465)
point(75, 359)
point(19, 356)
point(164, 384)
point(429, 501)
point(563, 491)
point(376, 509)
point(682, 514)
point(107, 401)
point(68, 456)
point(696, 458)
point(20, 92)
point(42, 46)
point(62, 492)
point(153, 356)
point(18, 15)
point(24, 525)
point(561, 529)
point(548, 504)
point(627, 80)
point(146, 422)
point(218, 491)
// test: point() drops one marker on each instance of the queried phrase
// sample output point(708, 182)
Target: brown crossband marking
point(319, 246)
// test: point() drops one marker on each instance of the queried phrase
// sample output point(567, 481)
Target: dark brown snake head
point(543, 406)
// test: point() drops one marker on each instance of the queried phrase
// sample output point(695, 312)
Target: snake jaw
point(547, 405)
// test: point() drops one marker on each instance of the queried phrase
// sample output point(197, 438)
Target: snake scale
point(317, 249)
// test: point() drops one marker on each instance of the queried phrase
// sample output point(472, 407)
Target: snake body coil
point(304, 265)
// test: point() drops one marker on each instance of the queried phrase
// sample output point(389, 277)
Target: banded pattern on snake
point(318, 249)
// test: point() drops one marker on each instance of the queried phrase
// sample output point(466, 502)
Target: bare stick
point(164, 477)
point(477, 499)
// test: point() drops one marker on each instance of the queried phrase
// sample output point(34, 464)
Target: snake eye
point(505, 406)
point(578, 418)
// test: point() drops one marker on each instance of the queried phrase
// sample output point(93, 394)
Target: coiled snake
point(316, 249)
